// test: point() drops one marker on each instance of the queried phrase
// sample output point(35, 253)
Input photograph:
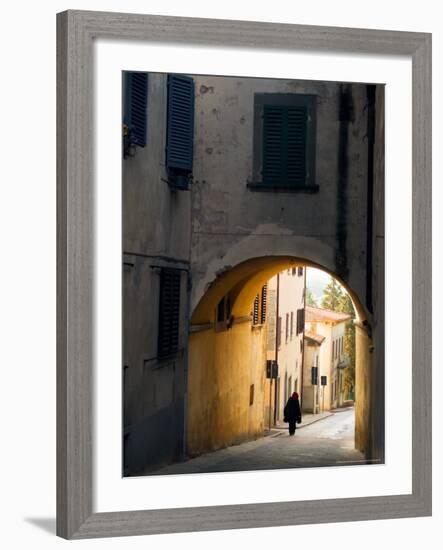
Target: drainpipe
point(370, 95)
point(346, 115)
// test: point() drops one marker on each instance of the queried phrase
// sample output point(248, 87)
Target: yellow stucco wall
point(222, 367)
point(362, 389)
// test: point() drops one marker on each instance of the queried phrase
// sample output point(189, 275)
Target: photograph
point(252, 274)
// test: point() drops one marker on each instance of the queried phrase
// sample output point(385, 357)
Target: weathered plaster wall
point(222, 367)
point(156, 220)
point(156, 234)
point(226, 213)
point(363, 390)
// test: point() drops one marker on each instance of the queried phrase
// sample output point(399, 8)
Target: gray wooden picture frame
point(76, 32)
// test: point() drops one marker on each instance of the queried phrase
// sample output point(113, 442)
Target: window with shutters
point(135, 101)
point(284, 142)
point(264, 292)
point(259, 307)
point(169, 312)
point(180, 130)
point(300, 320)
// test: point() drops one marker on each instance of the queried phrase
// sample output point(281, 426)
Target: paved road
point(328, 442)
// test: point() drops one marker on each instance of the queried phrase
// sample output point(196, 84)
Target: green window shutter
point(136, 96)
point(169, 312)
point(180, 124)
point(284, 145)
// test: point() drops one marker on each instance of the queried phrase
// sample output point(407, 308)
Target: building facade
point(228, 181)
point(312, 389)
point(329, 327)
point(286, 292)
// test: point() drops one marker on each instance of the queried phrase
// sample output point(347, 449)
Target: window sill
point(257, 186)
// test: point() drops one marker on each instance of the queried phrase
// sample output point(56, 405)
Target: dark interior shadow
point(47, 524)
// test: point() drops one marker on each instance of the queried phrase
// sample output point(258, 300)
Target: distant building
point(311, 372)
point(327, 354)
point(285, 344)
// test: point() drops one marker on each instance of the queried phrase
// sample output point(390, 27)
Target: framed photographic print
point(244, 274)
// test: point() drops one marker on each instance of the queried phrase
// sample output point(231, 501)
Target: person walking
point(292, 412)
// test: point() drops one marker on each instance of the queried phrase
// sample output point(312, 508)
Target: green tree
point(346, 306)
point(310, 300)
point(332, 296)
point(349, 345)
point(337, 299)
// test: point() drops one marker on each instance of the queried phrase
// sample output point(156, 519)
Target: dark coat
point(292, 410)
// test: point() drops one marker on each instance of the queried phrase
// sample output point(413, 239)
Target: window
point(300, 320)
point(180, 130)
point(300, 271)
point(278, 332)
point(264, 294)
point(259, 307)
point(292, 324)
point(284, 142)
point(135, 94)
point(223, 313)
point(294, 271)
point(169, 312)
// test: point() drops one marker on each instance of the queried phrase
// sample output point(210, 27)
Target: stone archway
point(225, 364)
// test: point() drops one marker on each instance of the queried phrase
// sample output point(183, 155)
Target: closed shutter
point(264, 293)
point(136, 97)
point(180, 124)
point(255, 310)
point(300, 320)
point(169, 312)
point(284, 145)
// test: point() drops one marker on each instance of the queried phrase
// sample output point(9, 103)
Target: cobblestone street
point(327, 442)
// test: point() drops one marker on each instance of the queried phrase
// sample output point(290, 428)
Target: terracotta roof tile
point(325, 315)
point(315, 338)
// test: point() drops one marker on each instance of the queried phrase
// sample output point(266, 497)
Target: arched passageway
point(228, 351)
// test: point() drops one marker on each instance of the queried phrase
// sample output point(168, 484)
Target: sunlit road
point(328, 442)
